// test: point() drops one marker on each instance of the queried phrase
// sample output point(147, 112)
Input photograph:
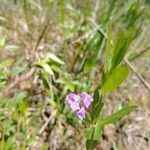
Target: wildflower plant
point(43, 57)
point(87, 107)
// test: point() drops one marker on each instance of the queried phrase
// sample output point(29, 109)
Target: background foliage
point(49, 48)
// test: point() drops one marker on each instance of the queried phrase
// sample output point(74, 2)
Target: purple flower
point(79, 103)
point(81, 113)
point(87, 99)
point(72, 100)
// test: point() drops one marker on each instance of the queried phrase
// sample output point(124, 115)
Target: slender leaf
point(97, 109)
point(55, 58)
point(108, 52)
point(98, 131)
point(120, 48)
point(116, 77)
point(118, 115)
point(133, 13)
point(46, 67)
point(96, 97)
point(62, 10)
point(111, 7)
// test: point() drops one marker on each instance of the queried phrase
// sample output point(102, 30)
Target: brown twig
point(41, 36)
point(137, 74)
point(47, 122)
point(140, 53)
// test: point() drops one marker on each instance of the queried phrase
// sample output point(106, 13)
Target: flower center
point(79, 100)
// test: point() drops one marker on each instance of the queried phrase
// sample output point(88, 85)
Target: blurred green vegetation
point(49, 48)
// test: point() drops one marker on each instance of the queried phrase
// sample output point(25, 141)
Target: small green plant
point(89, 109)
point(53, 47)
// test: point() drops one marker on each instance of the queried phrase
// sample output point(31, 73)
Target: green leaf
point(96, 105)
point(10, 143)
point(108, 15)
point(97, 110)
point(18, 97)
point(89, 132)
point(98, 131)
point(46, 67)
point(96, 97)
point(56, 68)
point(108, 51)
point(120, 48)
point(5, 63)
point(61, 5)
point(45, 77)
point(133, 13)
point(90, 144)
point(118, 115)
point(115, 78)
point(55, 59)
point(2, 41)
point(16, 70)
point(89, 64)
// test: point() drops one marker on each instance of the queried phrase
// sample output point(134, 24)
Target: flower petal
point(87, 96)
point(81, 113)
point(87, 99)
point(73, 97)
point(86, 102)
point(73, 105)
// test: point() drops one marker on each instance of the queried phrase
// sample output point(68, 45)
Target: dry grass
point(36, 37)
